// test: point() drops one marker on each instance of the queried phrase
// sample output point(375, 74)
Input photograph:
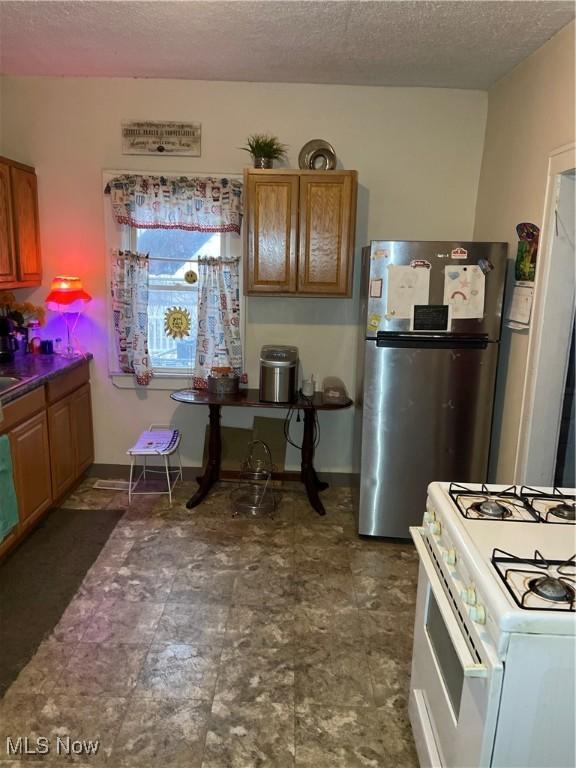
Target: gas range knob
point(468, 595)
point(450, 556)
point(478, 614)
point(429, 516)
point(435, 528)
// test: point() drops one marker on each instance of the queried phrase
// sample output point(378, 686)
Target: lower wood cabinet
point(82, 429)
point(52, 444)
point(61, 446)
point(71, 439)
point(31, 465)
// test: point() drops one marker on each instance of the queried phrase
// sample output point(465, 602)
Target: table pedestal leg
point(320, 484)
point(212, 472)
point(308, 473)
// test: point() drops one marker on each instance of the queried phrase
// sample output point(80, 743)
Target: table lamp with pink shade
point(68, 297)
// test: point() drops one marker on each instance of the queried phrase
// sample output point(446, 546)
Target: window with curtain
point(187, 232)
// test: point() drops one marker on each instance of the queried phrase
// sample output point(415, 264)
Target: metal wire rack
point(254, 495)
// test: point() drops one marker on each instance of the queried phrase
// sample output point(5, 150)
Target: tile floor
point(201, 641)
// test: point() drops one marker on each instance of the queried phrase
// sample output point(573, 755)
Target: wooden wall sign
point(153, 138)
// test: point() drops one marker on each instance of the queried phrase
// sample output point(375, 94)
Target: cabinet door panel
point(7, 260)
point(31, 461)
point(327, 206)
point(272, 228)
point(27, 234)
point(61, 446)
point(82, 429)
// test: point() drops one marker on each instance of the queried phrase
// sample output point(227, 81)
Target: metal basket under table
point(254, 496)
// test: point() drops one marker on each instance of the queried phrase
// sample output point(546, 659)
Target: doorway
point(544, 447)
point(565, 470)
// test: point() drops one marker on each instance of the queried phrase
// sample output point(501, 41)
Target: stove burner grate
point(491, 508)
point(547, 580)
point(486, 503)
point(564, 510)
point(551, 588)
point(563, 506)
point(568, 568)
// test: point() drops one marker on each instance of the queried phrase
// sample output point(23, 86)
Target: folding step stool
point(158, 440)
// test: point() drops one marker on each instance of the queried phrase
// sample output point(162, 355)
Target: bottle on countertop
point(308, 387)
point(34, 337)
point(21, 335)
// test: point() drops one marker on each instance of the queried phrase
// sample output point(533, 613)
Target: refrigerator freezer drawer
point(427, 415)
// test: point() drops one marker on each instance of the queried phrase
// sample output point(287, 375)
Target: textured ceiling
point(466, 44)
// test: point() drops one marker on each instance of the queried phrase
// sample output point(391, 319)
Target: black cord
point(289, 416)
point(287, 420)
point(309, 401)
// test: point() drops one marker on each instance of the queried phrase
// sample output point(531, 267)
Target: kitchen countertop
point(33, 370)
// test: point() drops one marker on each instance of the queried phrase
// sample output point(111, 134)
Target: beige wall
point(417, 152)
point(530, 113)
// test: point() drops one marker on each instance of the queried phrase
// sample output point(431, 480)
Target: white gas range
point(493, 670)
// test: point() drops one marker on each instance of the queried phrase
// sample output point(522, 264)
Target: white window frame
point(123, 237)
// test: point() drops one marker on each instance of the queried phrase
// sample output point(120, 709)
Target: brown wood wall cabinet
point(52, 444)
point(299, 232)
point(20, 258)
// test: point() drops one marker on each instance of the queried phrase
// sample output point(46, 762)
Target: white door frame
point(549, 339)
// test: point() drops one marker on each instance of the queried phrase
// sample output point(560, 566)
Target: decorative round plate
point(317, 155)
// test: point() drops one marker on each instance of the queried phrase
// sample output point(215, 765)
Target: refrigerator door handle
point(430, 341)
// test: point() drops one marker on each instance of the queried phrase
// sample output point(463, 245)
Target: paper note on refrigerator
point(376, 289)
point(521, 305)
point(407, 286)
point(464, 291)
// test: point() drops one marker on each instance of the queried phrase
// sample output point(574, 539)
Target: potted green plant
point(19, 312)
point(264, 149)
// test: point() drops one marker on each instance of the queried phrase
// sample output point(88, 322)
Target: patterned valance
point(201, 204)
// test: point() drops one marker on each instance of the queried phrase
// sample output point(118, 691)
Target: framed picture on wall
point(153, 138)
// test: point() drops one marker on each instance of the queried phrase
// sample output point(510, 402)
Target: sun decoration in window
point(177, 322)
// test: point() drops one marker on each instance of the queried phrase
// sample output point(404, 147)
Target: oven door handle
point(469, 666)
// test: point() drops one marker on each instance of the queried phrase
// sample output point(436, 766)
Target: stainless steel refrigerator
point(431, 314)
